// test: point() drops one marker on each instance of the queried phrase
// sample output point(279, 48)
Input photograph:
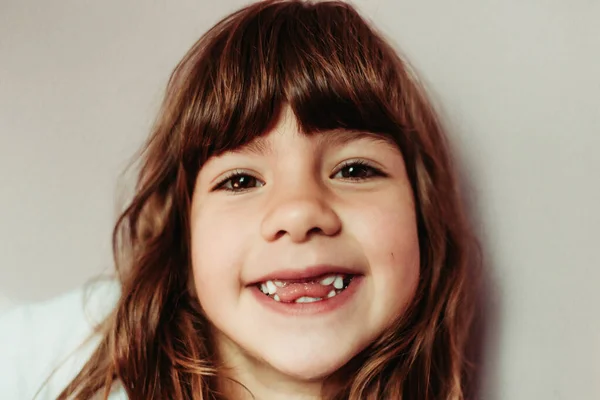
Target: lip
point(319, 307)
point(305, 273)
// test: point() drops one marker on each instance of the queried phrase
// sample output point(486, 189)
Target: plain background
point(517, 82)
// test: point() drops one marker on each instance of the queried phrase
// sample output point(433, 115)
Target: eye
point(238, 181)
point(357, 170)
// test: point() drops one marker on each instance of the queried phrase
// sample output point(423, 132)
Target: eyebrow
point(331, 138)
point(258, 146)
point(339, 137)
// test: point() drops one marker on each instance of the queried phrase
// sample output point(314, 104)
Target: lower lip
point(318, 307)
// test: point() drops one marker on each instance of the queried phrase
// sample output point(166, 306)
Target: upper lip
point(305, 273)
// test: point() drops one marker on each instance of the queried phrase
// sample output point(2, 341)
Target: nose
point(299, 213)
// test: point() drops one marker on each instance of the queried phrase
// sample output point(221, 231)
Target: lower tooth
point(305, 299)
point(331, 294)
point(276, 298)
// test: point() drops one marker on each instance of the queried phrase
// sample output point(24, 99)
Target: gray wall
point(518, 83)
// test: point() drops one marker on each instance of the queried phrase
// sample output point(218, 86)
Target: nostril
point(310, 232)
point(299, 219)
point(315, 230)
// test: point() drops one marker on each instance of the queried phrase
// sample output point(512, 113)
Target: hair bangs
point(337, 71)
point(333, 75)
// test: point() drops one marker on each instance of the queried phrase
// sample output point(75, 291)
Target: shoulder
point(37, 339)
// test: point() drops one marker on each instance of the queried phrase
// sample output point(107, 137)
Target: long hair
point(334, 71)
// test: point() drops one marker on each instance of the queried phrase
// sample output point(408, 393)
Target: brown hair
point(334, 71)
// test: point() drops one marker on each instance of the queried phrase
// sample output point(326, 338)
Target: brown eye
point(239, 182)
point(357, 170)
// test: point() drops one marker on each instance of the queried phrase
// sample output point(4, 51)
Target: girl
point(296, 230)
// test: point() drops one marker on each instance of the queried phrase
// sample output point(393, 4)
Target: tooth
point(271, 287)
point(331, 294)
point(306, 299)
point(338, 283)
point(328, 281)
point(278, 283)
point(276, 298)
point(263, 288)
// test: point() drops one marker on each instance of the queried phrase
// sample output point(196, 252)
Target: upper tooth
point(263, 288)
point(279, 283)
point(328, 281)
point(338, 283)
point(271, 287)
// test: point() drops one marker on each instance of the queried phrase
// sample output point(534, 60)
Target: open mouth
point(309, 290)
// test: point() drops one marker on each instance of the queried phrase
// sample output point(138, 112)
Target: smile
point(306, 290)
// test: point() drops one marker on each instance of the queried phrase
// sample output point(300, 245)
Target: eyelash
point(230, 176)
point(374, 171)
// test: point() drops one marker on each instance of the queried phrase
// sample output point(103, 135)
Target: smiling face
point(296, 209)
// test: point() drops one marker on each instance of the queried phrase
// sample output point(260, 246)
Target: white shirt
point(35, 339)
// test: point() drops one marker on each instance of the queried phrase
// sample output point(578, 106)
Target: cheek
point(389, 239)
point(218, 245)
point(388, 229)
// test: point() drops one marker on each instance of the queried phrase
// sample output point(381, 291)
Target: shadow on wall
point(483, 340)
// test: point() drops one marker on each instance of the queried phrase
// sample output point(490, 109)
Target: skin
point(301, 202)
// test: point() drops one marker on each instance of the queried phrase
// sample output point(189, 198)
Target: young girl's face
point(304, 248)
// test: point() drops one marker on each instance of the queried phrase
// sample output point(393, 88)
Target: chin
point(309, 364)
point(307, 370)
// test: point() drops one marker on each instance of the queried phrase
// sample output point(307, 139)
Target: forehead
point(287, 124)
point(264, 145)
